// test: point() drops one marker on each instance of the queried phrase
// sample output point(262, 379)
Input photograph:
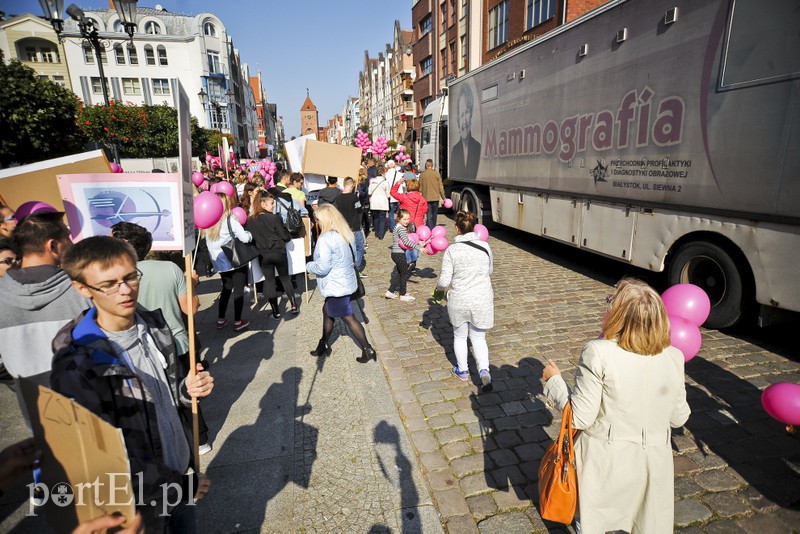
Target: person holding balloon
point(233, 279)
point(467, 267)
point(629, 391)
point(415, 204)
point(401, 272)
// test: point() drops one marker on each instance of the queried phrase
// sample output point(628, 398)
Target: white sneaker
point(390, 295)
point(205, 448)
point(407, 298)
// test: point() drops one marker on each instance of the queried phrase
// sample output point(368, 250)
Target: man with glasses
point(119, 361)
point(7, 221)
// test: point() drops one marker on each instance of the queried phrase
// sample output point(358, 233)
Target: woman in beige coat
point(629, 391)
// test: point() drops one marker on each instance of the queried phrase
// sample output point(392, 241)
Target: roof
point(308, 105)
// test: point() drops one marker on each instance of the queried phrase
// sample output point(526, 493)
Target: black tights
point(233, 282)
point(355, 328)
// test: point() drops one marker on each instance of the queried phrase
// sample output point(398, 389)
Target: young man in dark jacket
point(119, 361)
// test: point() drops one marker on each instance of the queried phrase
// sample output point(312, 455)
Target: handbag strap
point(566, 436)
point(473, 245)
point(230, 228)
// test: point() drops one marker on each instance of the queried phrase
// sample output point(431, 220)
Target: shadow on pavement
point(728, 418)
point(401, 470)
point(436, 320)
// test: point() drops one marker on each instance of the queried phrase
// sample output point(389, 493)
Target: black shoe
point(367, 354)
point(412, 266)
point(322, 349)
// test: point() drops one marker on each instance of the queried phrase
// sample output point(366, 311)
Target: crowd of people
point(104, 324)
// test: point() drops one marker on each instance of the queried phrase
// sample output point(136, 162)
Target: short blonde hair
point(637, 318)
point(330, 219)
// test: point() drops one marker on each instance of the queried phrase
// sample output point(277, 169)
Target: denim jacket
point(333, 265)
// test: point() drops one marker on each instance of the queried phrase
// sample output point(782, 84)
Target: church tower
point(309, 118)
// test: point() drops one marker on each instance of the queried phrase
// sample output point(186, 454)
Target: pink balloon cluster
point(115, 167)
point(401, 155)
point(380, 146)
point(362, 141)
point(688, 307)
point(437, 240)
point(213, 162)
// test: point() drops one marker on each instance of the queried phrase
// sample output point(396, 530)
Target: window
point(133, 57)
point(463, 8)
point(498, 25)
point(453, 57)
point(463, 51)
point(149, 55)
point(152, 28)
point(160, 86)
point(162, 56)
point(30, 53)
point(118, 26)
point(59, 80)
point(443, 62)
point(425, 102)
point(444, 16)
point(452, 11)
point(97, 87)
point(209, 29)
point(425, 25)
point(539, 11)
point(219, 117)
point(119, 54)
point(426, 65)
point(131, 86)
point(88, 54)
point(49, 55)
point(213, 62)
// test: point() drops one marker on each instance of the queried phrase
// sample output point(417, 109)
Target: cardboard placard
point(37, 181)
point(331, 159)
point(85, 468)
point(294, 151)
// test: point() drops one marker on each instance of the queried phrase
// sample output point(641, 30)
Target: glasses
point(9, 219)
point(112, 288)
point(9, 261)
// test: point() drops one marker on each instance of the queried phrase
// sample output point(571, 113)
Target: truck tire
point(712, 268)
point(470, 203)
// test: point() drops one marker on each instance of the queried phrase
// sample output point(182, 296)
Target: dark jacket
point(87, 370)
point(457, 169)
point(269, 233)
point(349, 206)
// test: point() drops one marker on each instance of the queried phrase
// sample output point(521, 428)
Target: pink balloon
point(687, 301)
point(114, 167)
point(225, 187)
point(429, 249)
point(424, 232)
point(684, 336)
point(250, 176)
point(782, 401)
point(198, 178)
point(34, 206)
point(208, 209)
point(482, 232)
point(439, 244)
point(240, 215)
point(214, 187)
point(439, 231)
point(414, 238)
point(447, 203)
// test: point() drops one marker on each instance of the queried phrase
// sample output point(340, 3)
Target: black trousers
point(400, 274)
point(276, 260)
point(233, 282)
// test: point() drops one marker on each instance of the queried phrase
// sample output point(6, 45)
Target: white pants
point(479, 349)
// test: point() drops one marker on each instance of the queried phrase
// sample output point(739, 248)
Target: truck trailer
point(662, 133)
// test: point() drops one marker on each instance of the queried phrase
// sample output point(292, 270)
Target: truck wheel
point(470, 203)
point(711, 267)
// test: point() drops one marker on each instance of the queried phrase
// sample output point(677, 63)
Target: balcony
point(408, 86)
point(407, 108)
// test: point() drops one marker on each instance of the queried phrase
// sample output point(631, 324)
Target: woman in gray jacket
point(467, 268)
point(334, 258)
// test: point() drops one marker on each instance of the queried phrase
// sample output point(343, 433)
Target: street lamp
point(126, 9)
point(204, 100)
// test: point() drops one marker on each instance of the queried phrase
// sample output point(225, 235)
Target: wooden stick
point(192, 362)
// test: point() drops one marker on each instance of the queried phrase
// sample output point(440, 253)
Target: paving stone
point(439, 422)
point(461, 524)
point(684, 465)
point(507, 439)
point(450, 502)
point(514, 498)
point(469, 464)
point(725, 526)
point(454, 433)
point(424, 441)
point(690, 530)
point(766, 523)
point(517, 522)
point(503, 476)
point(457, 449)
point(438, 408)
point(690, 511)
point(433, 461)
point(726, 504)
point(503, 457)
point(441, 479)
point(465, 416)
point(475, 484)
point(481, 506)
point(716, 480)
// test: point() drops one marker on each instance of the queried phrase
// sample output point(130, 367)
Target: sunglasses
point(9, 261)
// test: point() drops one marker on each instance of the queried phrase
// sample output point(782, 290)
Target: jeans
point(393, 207)
point(359, 250)
point(430, 217)
point(379, 223)
point(412, 255)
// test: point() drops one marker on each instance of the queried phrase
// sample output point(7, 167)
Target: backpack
point(294, 221)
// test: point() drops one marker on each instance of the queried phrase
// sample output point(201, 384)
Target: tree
point(118, 123)
point(215, 141)
point(37, 117)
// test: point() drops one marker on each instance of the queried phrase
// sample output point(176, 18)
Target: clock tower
point(309, 118)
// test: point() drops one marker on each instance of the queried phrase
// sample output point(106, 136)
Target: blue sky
point(298, 44)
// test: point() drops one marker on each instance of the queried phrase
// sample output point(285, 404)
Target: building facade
point(32, 40)
point(309, 119)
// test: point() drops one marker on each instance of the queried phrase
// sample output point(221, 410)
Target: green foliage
point(215, 141)
point(37, 117)
point(391, 143)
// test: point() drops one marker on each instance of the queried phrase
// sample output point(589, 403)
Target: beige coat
point(625, 404)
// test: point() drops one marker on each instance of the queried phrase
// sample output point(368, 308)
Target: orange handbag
point(558, 483)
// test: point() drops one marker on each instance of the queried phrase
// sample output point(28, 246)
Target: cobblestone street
point(736, 468)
